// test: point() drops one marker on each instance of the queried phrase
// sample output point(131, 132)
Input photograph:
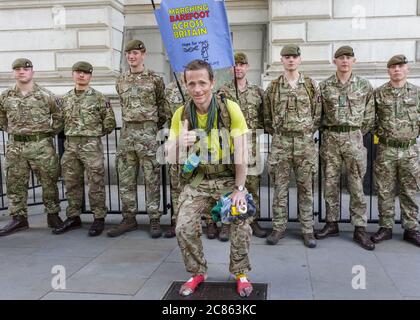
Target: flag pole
point(179, 87)
point(236, 82)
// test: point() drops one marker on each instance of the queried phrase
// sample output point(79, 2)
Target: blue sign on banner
point(195, 29)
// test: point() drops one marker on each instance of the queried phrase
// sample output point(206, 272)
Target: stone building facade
point(56, 33)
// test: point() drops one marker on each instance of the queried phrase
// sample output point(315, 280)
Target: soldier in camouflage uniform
point(144, 111)
point(292, 115)
point(87, 117)
point(397, 105)
point(211, 179)
point(31, 116)
point(348, 114)
point(250, 99)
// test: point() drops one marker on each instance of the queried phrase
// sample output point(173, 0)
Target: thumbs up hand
point(189, 137)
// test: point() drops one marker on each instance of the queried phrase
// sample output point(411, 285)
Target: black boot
point(412, 236)
point(257, 230)
point(381, 235)
point(330, 230)
point(68, 224)
point(97, 227)
point(170, 233)
point(54, 221)
point(224, 233)
point(362, 237)
point(18, 223)
point(211, 230)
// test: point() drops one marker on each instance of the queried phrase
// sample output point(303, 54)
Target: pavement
point(134, 266)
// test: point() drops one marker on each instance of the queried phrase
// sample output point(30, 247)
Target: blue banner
point(195, 29)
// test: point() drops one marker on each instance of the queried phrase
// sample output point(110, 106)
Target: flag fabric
point(195, 29)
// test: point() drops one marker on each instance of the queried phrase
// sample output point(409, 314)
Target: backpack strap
point(309, 87)
point(222, 111)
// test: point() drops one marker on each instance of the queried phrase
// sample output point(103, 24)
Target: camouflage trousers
point(40, 156)
point(253, 186)
point(297, 153)
point(337, 148)
point(400, 167)
point(137, 150)
point(255, 169)
point(177, 184)
point(193, 203)
point(84, 154)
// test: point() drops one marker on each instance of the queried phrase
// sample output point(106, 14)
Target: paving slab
point(404, 271)
point(31, 277)
point(284, 268)
point(117, 271)
point(136, 266)
point(70, 246)
point(332, 271)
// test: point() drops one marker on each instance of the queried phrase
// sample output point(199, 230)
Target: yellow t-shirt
point(238, 127)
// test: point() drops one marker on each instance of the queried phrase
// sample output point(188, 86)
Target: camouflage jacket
point(397, 112)
point(251, 102)
point(174, 98)
point(349, 104)
point(292, 109)
point(142, 97)
point(88, 114)
point(38, 111)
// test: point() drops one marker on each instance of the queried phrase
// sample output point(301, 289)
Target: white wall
point(93, 31)
point(54, 37)
point(376, 29)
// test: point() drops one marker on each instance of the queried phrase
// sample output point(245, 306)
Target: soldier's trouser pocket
point(361, 163)
point(272, 162)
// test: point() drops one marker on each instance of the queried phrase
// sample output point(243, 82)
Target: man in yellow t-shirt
point(222, 129)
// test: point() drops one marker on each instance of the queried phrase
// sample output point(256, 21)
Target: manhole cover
point(216, 291)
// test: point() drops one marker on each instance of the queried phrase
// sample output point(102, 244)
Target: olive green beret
point(22, 63)
point(134, 45)
point(397, 59)
point(344, 51)
point(290, 50)
point(241, 57)
point(82, 66)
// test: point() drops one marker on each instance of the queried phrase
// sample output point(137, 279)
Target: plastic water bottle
point(192, 162)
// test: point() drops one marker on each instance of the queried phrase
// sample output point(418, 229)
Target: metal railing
point(265, 191)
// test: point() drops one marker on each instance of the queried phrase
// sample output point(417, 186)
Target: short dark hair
point(198, 65)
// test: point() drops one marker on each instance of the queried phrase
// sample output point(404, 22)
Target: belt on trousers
point(397, 144)
point(80, 139)
point(292, 134)
point(31, 137)
point(342, 128)
point(210, 172)
point(140, 125)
